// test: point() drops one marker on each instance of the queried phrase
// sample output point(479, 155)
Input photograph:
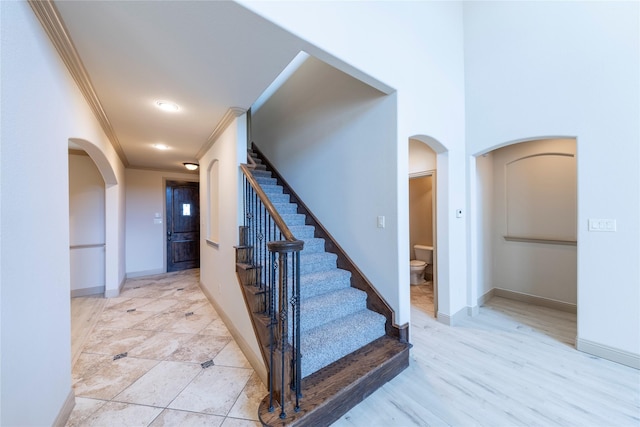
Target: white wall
point(41, 109)
point(86, 226)
point(484, 219)
point(217, 260)
point(415, 48)
point(536, 69)
point(332, 138)
point(146, 220)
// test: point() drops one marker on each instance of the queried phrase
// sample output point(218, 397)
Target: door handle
point(168, 236)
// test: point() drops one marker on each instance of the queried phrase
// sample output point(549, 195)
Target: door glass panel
point(186, 209)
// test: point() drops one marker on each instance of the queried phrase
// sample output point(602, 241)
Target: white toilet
point(424, 257)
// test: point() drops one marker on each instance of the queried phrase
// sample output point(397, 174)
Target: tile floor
point(422, 297)
point(159, 355)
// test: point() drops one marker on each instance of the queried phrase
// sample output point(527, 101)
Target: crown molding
point(225, 121)
point(53, 25)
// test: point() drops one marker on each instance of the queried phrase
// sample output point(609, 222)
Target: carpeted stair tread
point(279, 198)
point(317, 262)
point(261, 172)
point(330, 306)
point(271, 189)
point(314, 284)
point(341, 337)
point(313, 244)
point(292, 219)
point(285, 207)
point(302, 232)
point(264, 180)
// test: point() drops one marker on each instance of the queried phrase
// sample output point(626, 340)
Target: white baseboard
point(83, 292)
point(473, 311)
point(153, 272)
point(65, 410)
point(255, 360)
point(532, 299)
point(114, 293)
point(610, 353)
point(454, 320)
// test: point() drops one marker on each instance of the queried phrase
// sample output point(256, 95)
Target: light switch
point(381, 221)
point(596, 224)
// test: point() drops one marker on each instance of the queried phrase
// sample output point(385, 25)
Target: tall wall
point(217, 253)
point(415, 49)
point(538, 69)
point(41, 110)
point(146, 220)
point(331, 137)
point(86, 226)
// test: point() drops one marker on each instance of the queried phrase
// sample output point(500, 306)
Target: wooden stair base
point(334, 390)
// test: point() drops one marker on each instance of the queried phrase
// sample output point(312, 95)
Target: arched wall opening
point(86, 226)
point(433, 160)
point(523, 222)
point(112, 282)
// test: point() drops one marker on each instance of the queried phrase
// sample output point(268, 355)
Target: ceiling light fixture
point(191, 166)
point(160, 146)
point(167, 106)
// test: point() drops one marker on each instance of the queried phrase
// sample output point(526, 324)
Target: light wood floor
point(512, 365)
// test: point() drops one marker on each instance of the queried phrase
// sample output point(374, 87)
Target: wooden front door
point(183, 225)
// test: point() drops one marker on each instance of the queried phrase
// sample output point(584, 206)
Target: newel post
point(285, 369)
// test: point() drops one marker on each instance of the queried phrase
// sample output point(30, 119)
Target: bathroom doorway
point(422, 232)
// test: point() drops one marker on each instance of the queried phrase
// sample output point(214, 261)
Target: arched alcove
point(112, 213)
point(523, 213)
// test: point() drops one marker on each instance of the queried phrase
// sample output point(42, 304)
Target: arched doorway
point(425, 158)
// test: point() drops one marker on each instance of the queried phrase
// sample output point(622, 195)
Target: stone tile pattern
point(168, 330)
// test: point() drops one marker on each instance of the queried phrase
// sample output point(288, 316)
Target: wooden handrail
point(286, 233)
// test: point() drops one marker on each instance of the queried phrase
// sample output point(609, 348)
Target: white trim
point(473, 311)
point(145, 273)
point(83, 292)
point(114, 293)
point(610, 353)
point(254, 360)
point(536, 300)
point(454, 320)
point(65, 410)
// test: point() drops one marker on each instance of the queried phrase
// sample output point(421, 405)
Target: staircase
point(344, 337)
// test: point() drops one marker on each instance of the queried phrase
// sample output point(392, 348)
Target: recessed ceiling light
point(161, 146)
point(167, 106)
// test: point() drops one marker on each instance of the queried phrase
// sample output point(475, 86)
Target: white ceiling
point(206, 56)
